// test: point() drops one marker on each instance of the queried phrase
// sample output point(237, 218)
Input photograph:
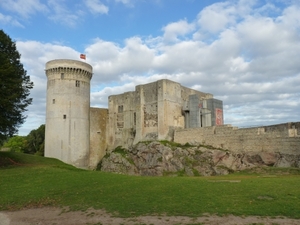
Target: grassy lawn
point(34, 181)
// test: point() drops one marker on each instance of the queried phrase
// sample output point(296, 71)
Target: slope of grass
point(16, 159)
point(37, 181)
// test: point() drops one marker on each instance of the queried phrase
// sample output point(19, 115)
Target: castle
point(80, 135)
point(163, 110)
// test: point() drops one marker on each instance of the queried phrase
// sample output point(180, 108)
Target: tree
point(15, 88)
point(16, 144)
point(35, 141)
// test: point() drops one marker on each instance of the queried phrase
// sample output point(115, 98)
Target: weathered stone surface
point(116, 163)
point(288, 160)
point(154, 111)
point(283, 138)
point(269, 158)
point(157, 159)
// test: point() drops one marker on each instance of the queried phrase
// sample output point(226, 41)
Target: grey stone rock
point(116, 163)
point(269, 158)
point(157, 159)
point(287, 160)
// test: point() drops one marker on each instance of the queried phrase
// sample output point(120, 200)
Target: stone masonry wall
point(283, 138)
point(98, 135)
point(122, 119)
point(152, 112)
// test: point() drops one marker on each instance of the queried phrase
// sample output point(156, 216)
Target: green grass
point(174, 144)
point(36, 181)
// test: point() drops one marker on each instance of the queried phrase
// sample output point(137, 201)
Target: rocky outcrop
point(167, 158)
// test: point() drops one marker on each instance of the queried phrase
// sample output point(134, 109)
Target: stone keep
point(155, 110)
point(67, 135)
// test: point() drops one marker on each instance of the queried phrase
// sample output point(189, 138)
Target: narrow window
point(65, 116)
point(120, 109)
point(77, 83)
point(53, 101)
point(62, 76)
point(134, 119)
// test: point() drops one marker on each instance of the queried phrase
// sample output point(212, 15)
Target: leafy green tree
point(16, 144)
point(35, 141)
point(15, 88)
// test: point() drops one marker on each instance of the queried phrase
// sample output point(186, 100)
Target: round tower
point(67, 135)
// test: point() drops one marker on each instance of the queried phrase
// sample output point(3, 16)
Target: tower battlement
point(71, 69)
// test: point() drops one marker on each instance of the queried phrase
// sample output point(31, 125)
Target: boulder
point(269, 158)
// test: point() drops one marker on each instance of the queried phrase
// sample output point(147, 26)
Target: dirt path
point(56, 216)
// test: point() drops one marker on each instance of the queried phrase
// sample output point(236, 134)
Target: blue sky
point(245, 52)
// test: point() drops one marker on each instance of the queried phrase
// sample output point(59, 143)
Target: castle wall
point(186, 92)
point(284, 138)
point(98, 135)
point(147, 112)
point(121, 120)
point(169, 108)
point(215, 109)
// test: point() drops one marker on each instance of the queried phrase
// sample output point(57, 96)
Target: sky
point(244, 52)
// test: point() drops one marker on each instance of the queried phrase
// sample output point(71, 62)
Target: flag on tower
point(82, 56)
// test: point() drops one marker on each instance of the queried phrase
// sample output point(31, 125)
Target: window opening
point(53, 101)
point(134, 119)
point(77, 84)
point(65, 116)
point(120, 109)
point(62, 76)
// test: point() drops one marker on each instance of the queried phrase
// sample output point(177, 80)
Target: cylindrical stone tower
point(67, 135)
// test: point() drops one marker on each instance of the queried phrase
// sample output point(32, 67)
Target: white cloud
point(111, 61)
point(262, 35)
point(265, 9)
point(95, 6)
point(126, 2)
point(23, 8)
point(271, 46)
point(61, 14)
point(291, 17)
point(173, 30)
point(99, 98)
point(217, 17)
point(5, 19)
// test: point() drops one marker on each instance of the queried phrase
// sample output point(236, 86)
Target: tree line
point(33, 143)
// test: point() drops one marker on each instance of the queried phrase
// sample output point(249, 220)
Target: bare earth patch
point(57, 216)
